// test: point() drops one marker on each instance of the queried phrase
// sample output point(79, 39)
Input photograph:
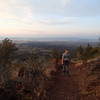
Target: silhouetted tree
point(85, 53)
point(99, 41)
point(80, 51)
point(7, 49)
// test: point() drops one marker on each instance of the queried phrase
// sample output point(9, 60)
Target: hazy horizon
point(80, 39)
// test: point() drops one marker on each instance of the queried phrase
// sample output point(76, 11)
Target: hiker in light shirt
point(66, 61)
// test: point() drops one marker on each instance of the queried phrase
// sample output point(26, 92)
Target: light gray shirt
point(66, 56)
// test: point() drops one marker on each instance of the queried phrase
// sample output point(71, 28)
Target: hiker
point(66, 61)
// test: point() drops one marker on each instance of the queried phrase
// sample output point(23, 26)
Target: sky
point(50, 18)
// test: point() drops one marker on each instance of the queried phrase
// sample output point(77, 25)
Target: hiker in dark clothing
point(66, 61)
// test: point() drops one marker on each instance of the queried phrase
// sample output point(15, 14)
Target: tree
point(99, 41)
point(88, 52)
point(7, 50)
point(80, 51)
point(85, 53)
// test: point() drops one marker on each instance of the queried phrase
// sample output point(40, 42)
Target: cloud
point(30, 10)
point(59, 21)
point(26, 8)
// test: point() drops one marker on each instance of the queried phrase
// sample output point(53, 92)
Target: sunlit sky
point(50, 18)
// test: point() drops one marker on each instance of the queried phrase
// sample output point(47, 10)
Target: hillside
point(37, 75)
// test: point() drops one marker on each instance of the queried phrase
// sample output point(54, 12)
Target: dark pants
point(66, 67)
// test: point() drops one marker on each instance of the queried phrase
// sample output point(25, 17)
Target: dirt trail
point(64, 87)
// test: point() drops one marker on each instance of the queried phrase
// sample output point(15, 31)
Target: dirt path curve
point(64, 87)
